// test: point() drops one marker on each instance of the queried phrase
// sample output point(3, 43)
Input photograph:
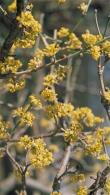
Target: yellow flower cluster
point(54, 78)
point(50, 80)
point(14, 85)
point(78, 178)
point(106, 48)
point(36, 62)
point(89, 38)
point(59, 110)
point(12, 6)
point(25, 117)
point(32, 29)
point(10, 65)
point(51, 50)
point(82, 191)
point(61, 72)
point(63, 32)
point(49, 95)
point(74, 42)
point(3, 130)
point(91, 42)
point(39, 155)
point(25, 142)
point(34, 101)
point(27, 20)
point(83, 7)
point(71, 135)
point(103, 157)
point(94, 145)
point(24, 43)
point(85, 116)
point(56, 193)
point(95, 52)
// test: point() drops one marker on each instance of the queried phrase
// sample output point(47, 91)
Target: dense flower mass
point(15, 85)
point(4, 130)
point(59, 110)
point(63, 32)
point(95, 52)
point(39, 155)
point(25, 117)
point(85, 116)
point(106, 48)
point(82, 191)
point(10, 65)
point(31, 30)
point(89, 38)
point(51, 50)
point(71, 135)
point(35, 101)
point(49, 95)
point(74, 42)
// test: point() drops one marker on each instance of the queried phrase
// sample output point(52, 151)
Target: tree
point(41, 130)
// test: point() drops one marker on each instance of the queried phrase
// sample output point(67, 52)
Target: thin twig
point(96, 21)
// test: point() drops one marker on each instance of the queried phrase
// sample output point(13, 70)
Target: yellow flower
point(25, 117)
point(61, 72)
point(39, 155)
point(51, 50)
point(3, 130)
point(95, 52)
point(12, 6)
point(24, 43)
point(50, 80)
point(94, 145)
point(10, 65)
point(15, 85)
point(106, 47)
point(83, 8)
point(107, 186)
point(49, 95)
point(74, 42)
point(63, 32)
point(86, 116)
point(35, 101)
point(72, 134)
point(103, 157)
point(55, 77)
point(59, 110)
point(82, 191)
point(56, 193)
point(25, 142)
point(89, 38)
point(78, 178)
point(34, 63)
point(32, 29)
point(26, 19)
